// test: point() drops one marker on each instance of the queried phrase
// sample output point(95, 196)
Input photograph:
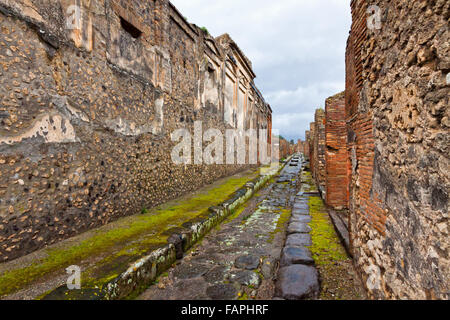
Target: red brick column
point(312, 127)
point(337, 182)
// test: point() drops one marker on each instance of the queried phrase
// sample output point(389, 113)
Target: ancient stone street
point(144, 156)
point(248, 256)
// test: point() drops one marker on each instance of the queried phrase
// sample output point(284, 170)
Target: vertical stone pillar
point(337, 194)
point(319, 150)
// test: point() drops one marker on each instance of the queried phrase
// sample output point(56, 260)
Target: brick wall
point(397, 121)
point(336, 157)
point(311, 145)
point(387, 149)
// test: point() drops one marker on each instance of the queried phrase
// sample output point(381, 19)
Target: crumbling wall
point(311, 145)
point(398, 123)
point(89, 100)
point(285, 149)
point(319, 151)
point(337, 193)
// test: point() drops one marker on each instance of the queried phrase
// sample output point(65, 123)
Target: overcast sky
point(297, 48)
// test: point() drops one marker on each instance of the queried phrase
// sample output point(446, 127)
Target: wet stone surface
point(313, 251)
point(296, 255)
point(299, 240)
point(240, 258)
point(298, 227)
point(298, 282)
point(298, 278)
point(250, 262)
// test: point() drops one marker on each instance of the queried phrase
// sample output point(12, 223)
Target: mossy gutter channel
point(145, 271)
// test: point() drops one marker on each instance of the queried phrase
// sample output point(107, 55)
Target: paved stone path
point(240, 260)
point(298, 277)
point(265, 251)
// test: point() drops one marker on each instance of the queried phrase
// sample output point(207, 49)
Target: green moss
point(326, 247)
point(285, 215)
point(237, 212)
point(205, 30)
point(308, 182)
point(244, 296)
point(260, 275)
point(131, 237)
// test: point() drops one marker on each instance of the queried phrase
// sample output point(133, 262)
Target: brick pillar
point(336, 184)
point(306, 144)
point(319, 150)
point(312, 127)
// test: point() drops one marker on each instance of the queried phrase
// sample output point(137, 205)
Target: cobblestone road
point(241, 258)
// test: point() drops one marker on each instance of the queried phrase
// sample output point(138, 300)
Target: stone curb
point(145, 271)
point(298, 278)
point(341, 230)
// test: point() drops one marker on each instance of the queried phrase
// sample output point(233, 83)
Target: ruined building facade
point(336, 168)
point(90, 93)
point(318, 150)
point(396, 124)
point(302, 146)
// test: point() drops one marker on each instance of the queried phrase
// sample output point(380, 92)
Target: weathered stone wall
point(302, 146)
point(87, 112)
point(312, 129)
point(319, 151)
point(398, 139)
point(336, 185)
point(286, 149)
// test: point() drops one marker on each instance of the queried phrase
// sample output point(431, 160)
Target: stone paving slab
point(301, 219)
point(296, 212)
point(296, 255)
point(298, 282)
point(248, 262)
point(298, 279)
point(298, 240)
point(301, 266)
point(298, 227)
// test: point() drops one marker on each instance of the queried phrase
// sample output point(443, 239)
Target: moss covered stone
point(326, 247)
point(125, 240)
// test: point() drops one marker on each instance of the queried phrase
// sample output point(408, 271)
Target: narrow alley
point(158, 150)
point(249, 257)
